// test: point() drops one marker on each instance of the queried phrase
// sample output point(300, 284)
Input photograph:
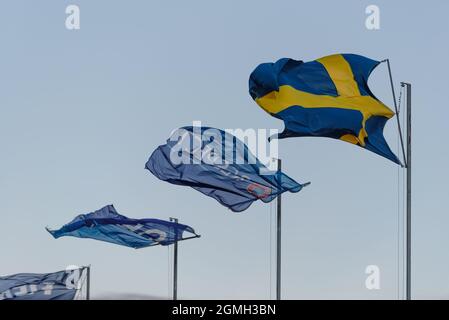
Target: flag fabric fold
point(219, 165)
point(109, 226)
point(327, 97)
point(61, 285)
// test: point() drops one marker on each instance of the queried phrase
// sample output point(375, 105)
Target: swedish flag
point(328, 97)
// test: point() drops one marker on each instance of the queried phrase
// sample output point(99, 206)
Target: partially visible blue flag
point(60, 285)
point(107, 225)
point(218, 165)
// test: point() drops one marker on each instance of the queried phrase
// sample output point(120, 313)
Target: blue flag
point(218, 165)
point(107, 225)
point(60, 285)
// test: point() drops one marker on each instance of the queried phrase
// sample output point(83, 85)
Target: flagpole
point(396, 110)
point(88, 283)
point(408, 222)
point(278, 237)
point(175, 263)
point(408, 167)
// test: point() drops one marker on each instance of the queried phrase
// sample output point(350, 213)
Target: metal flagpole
point(408, 87)
point(396, 110)
point(278, 239)
point(175, 263)
point(408, 166)
point(88, 283)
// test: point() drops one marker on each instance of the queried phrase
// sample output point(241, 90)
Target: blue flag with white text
point(218, 165)
point(62, 285)
point(108, 225)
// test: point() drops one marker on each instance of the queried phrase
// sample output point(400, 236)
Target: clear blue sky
point(81, 111)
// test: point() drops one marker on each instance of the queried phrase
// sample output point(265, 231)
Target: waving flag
point(60, 285)
point(218, 165)
point(107, 225)
point(328, 97)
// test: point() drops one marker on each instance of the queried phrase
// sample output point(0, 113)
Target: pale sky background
point(81, 111)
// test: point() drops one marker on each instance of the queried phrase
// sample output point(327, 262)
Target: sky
point(82, 110)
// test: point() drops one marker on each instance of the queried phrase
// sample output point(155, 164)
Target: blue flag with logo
point(62, 285)
point(108, 225)
point(218, 165)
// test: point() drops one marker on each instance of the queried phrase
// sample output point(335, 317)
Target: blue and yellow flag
point(328, 97)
